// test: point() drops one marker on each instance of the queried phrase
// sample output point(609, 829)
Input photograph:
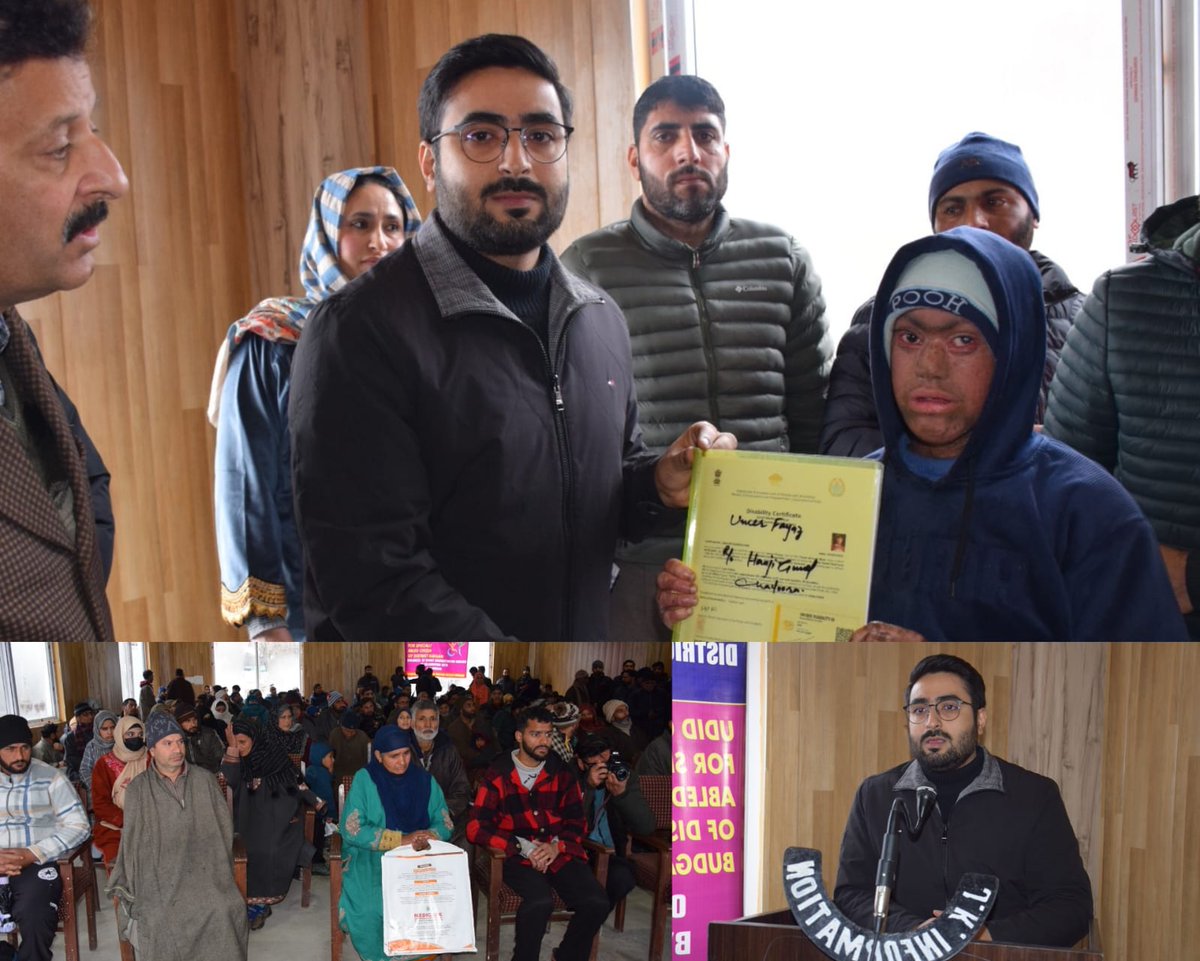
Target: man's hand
point(1176, 561)
point(673, 472)
point(676, 594)
point(879, 631)
point(14, 860)
point(543, 855)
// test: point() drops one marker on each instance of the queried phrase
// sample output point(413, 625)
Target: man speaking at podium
point(991, 817)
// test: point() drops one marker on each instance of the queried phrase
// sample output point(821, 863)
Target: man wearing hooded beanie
point(988, 530)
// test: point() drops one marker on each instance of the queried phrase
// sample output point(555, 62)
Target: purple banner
point(708, 683)
point(449, 659)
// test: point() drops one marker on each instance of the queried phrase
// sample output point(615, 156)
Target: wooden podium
point(775, 937)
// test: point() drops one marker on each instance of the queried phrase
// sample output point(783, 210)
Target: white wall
point(836, 113)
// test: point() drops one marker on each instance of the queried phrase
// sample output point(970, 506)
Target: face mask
point(135, 743)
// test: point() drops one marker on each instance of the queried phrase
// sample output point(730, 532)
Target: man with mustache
point(530, 806)
point(725, 315)
point(56, 179)
point(41, 819)
point(991, 817)
point(465, 439)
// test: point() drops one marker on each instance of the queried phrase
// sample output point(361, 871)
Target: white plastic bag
point(427, 901)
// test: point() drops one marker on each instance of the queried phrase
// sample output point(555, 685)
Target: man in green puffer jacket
point(726, 318)
point(1125, 393)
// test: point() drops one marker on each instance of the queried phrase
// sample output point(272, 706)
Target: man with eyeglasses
point(465, 437)
point(991, 817)
point(725, 315)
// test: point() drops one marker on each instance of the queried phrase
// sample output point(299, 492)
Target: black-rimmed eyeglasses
point(947, 709)
point(485, 142)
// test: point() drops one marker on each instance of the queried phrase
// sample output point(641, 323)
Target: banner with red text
point(708, 683)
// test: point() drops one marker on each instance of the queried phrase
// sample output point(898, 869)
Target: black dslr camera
point(617, 767)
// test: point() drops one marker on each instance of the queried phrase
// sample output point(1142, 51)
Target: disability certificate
point(782, 546)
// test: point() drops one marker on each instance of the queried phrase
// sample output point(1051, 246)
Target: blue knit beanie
point(981, 157)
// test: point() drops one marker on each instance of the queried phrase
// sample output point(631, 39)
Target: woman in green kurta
point(391, 802)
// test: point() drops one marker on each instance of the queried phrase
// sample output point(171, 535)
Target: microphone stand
point(885, 874)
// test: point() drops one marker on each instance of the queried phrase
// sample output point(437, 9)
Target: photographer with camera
point(614, 808)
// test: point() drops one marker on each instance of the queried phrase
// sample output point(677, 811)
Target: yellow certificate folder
point(782, 546)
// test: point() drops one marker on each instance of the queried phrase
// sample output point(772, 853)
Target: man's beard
point(954, 756)
point(18, 767)
point(533, 752)
point(692, 208)
point(426, 737)
point(1023, 237)
point(501, 238)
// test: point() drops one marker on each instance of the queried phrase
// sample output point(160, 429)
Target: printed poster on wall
point(445, 658)
point(708, 682)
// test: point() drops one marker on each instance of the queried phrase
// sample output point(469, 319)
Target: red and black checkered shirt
point(505, 810)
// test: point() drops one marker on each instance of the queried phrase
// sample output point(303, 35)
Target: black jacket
point(627, 814)
point(851, 427)
point(446, 767)
point(455, 479)
point(1008, 822)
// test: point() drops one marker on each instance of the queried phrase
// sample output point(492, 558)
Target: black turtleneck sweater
point(525, 292)
point(950, 784)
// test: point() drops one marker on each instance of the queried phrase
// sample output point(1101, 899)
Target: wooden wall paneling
point(639, 16)
point(615, 91)
point(195, 657)
point(1150, 804)
point(514, 655)
point(103, 669)
point(835, 719)
point(397, 70)
point(338, 666)
point(71, 661)
point(559, 662)
point(1056, 724)
point(303, 68)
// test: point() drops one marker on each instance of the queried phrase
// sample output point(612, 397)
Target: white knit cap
point(943, 280)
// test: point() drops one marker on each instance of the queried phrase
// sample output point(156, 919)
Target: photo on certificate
point(782, 546)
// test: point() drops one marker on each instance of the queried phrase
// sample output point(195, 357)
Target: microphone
point(926, 798)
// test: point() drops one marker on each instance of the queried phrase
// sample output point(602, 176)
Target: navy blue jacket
point(1023, 539)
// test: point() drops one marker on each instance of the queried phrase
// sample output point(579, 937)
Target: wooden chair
point(487, 878)
point(79, 882)
point(652, 866)
point(334, 857)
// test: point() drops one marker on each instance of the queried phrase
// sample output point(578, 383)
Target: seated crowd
point(416, 763)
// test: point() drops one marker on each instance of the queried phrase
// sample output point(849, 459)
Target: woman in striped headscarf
point(358, 216)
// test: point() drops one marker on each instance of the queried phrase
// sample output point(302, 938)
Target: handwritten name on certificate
point(782, 546)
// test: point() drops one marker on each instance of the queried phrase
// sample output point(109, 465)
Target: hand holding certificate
point(781, 546)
